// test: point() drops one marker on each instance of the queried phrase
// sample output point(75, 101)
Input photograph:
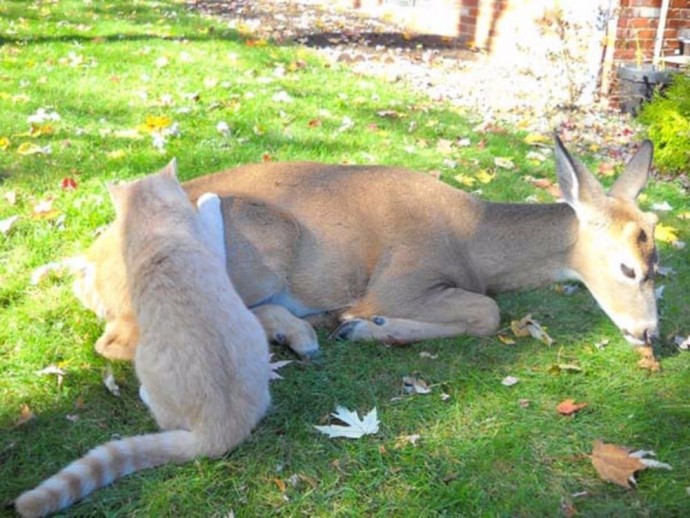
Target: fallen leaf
point(282, 487)
point(530, 327)
point(109, 381)
point(607, 169)
point(506, 339)
point(682, 343)
point(684, 215)
point(662, 207)
point(568, 509)
point(665, 233)
point(504, 163)
point(155, 123)
point(53, 369)
point(314, 123)
point(569, 407)
point(68, 184)
point(557, 368)
point(404, 440)
point(465, 180)
point(414, 385)
point(282, 97)
point(275, 366)
point(444, 146)
point(484, 176)
point(619, 464)
point(73, 418)
point(25, 415)
point(355, 428)
point(509, 381)
point(648, 360)
point(426, 354)
point(4, 143)
point(534, 139)
point(29, 148)
point(223, 128)
point(7, 224)
point(535, 156)
point(678, 244)
point(11, 197)
point(523, 403)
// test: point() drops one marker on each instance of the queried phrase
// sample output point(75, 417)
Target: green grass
point(107, 66)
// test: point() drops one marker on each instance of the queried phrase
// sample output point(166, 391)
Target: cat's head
point(152, 194)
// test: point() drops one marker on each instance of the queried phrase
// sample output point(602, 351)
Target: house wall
point(550, 37)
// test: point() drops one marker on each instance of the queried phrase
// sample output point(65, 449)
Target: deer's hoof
point(346, 330)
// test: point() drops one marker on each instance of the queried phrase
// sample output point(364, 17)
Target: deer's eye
point(627, 271)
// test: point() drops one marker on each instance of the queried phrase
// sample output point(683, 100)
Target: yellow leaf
point(154, 123)
point(465, 180)
point(116, 154)
point(4, 143)
point(506, 339)
point(666, 234)
point(535, 138)
point(684, 215)
point(484, 177)
point(27, 148)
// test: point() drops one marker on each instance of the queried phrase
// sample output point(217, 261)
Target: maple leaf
point(569, 407)
point(355, 428)
point(619, 464)
point(275, 366)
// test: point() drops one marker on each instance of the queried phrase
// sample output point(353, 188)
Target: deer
point(381, 253)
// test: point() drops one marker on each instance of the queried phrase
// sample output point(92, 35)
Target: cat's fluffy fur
point(202, 357)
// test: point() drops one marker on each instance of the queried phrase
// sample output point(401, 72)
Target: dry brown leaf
point(648, 360)
point(414, 385)
point(527, 326)
point(569, 407)
point(280, 484)
point(25, 414)
point(619, 464)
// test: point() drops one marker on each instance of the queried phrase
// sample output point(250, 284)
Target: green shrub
point(667, 118)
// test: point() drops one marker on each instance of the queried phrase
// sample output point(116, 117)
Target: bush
point(667, 118)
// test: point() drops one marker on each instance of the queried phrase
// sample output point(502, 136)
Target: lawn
point(115, 90)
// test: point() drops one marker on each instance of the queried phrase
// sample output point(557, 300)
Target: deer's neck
point(525, 245)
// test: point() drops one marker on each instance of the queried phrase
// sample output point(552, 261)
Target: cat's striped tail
point(105, 464)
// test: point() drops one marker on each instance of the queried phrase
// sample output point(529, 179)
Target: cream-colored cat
point(202, 356)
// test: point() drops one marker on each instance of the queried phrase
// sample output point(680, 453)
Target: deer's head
point(614, 254)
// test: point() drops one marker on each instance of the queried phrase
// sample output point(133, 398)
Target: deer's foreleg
point(444, 313)
point(284, 328)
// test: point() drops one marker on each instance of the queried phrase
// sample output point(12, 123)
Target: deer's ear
point(170, 169)
point(634, 178)
point(579, 187)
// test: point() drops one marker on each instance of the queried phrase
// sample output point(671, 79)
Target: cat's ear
point(117, 194)
point(170, 169)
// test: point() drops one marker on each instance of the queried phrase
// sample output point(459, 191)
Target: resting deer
point(400, 257)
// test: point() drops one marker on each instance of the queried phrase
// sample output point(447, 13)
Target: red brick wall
point(638, 23)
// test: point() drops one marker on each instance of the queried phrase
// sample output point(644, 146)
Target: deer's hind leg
point(437, 314)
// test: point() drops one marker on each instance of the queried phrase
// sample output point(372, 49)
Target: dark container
point(638, 84)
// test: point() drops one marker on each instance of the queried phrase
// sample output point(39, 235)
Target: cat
point(202, 356)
